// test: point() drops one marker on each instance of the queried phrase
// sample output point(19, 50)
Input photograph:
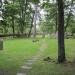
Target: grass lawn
point(52, 68)
point(16, 52)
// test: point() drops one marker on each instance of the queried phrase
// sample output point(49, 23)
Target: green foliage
point(46, 26)
point(20, 13)
point(73, 28)
point(35, 1)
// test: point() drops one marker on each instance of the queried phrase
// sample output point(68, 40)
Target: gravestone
point(1, 44)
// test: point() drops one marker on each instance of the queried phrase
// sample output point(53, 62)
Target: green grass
point(16, 52)
point(52, 68)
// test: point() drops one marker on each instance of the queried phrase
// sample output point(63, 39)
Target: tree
point(35, 18)
point(1, 41)
point(23, 8)
point(69, 14)
point(61, 46)
point(10, 10)
point(35, 3)
point(31, 25)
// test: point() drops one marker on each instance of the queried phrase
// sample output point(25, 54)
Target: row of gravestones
point(1, 44)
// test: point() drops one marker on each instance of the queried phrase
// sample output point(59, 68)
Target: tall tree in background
point(61, 46)
point(35, 2)
point(0, 3)
point(32, 19)
point(70, 13)
point(35, 18)
point(13, 24)
point(1, 8)
point(23, 8)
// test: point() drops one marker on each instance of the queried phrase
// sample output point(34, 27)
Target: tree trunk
point(5, 29)
point(1, 7)
point(61, 46)
point(56, 19)
point(23, 8)
point(13, 26)
point(34, 26)
point(31, 26)
point(0, 3)
point(56, 27)
point(13, 19)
